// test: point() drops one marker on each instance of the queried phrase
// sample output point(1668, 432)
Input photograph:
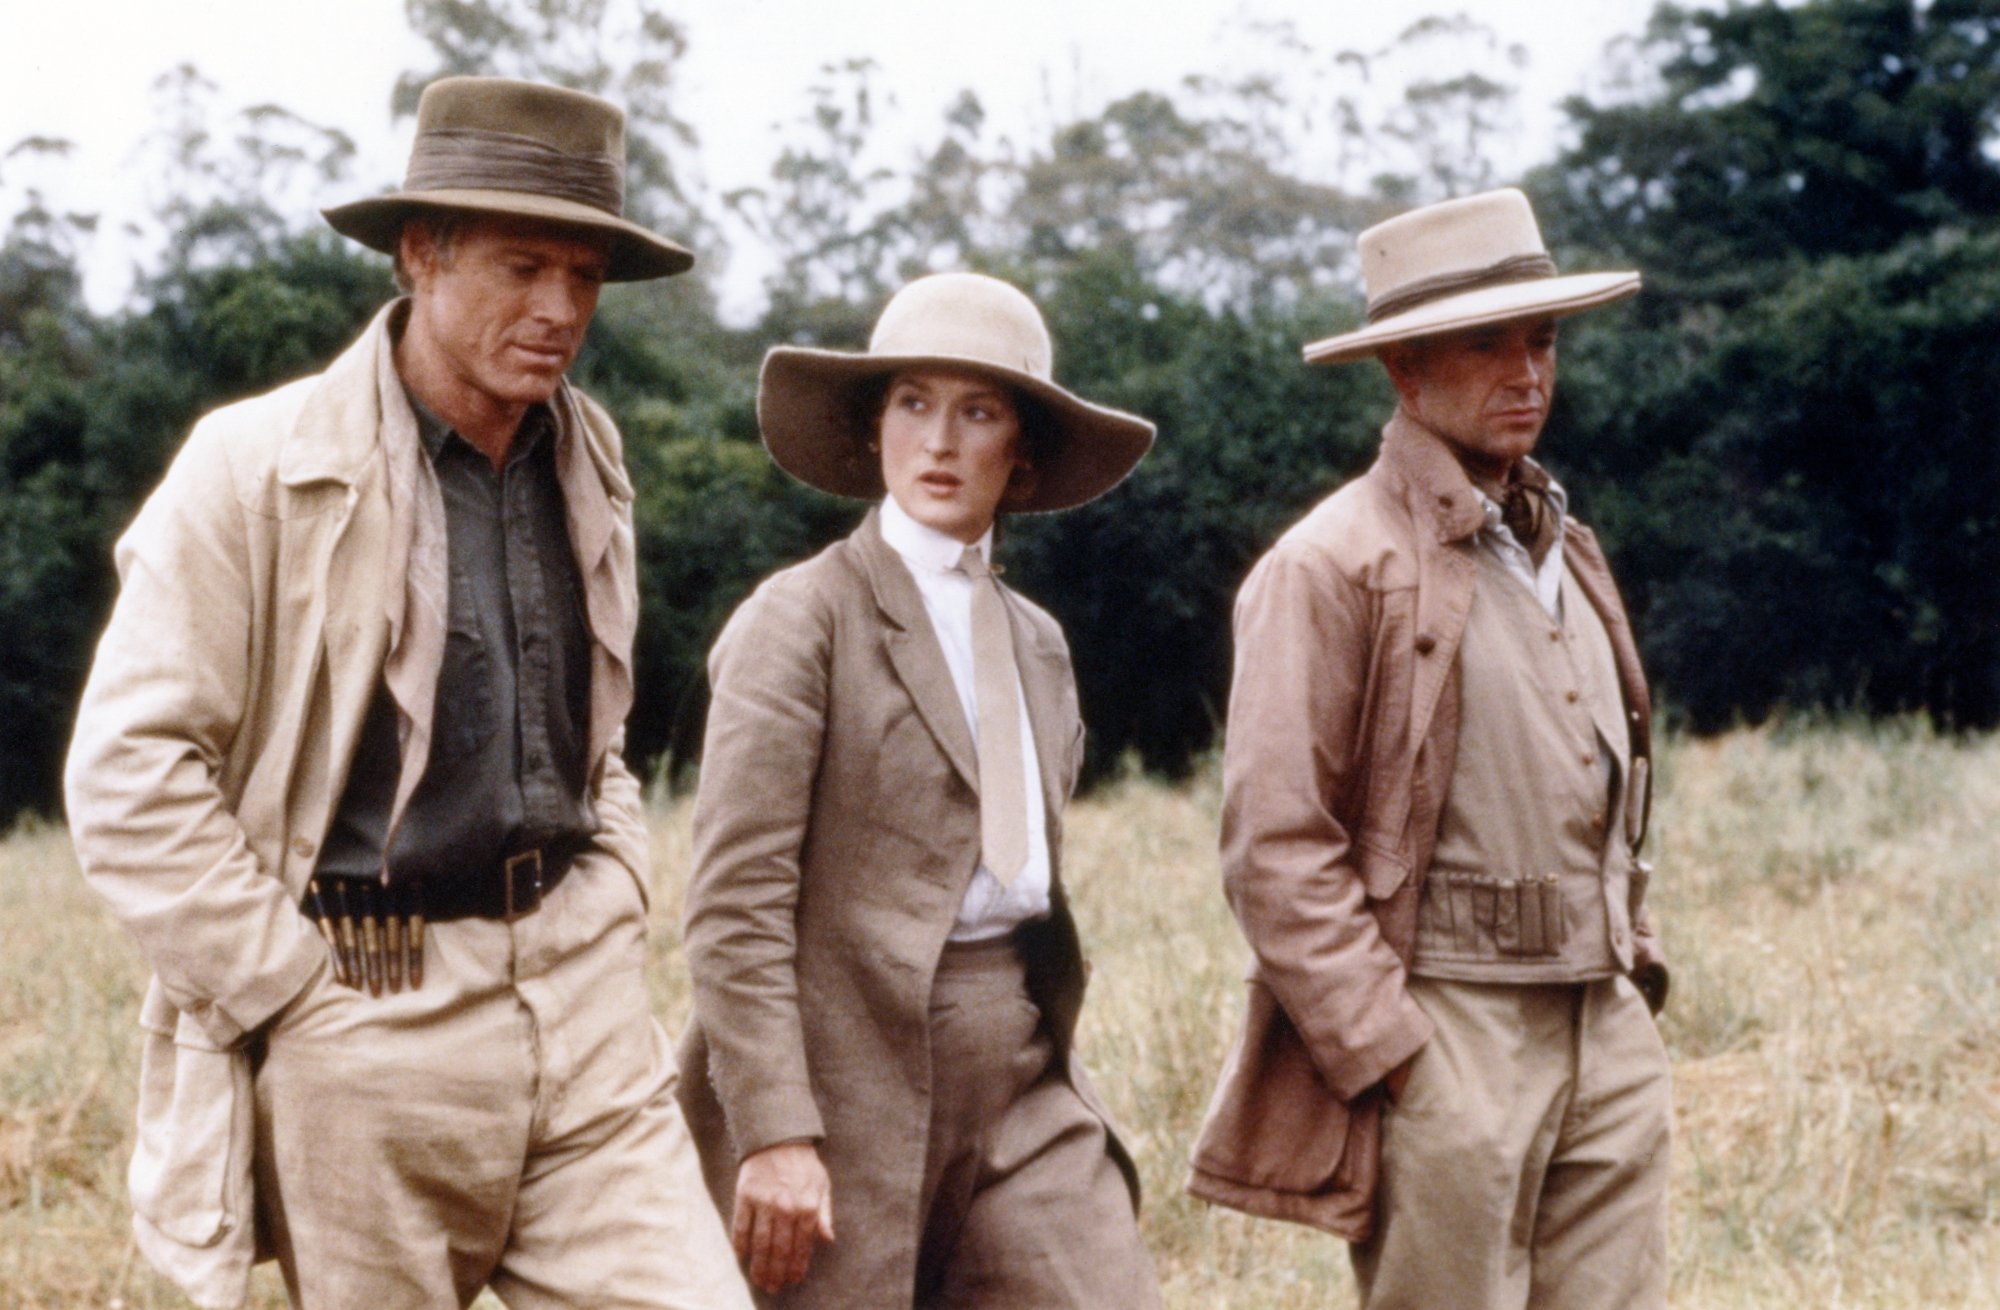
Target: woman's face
point(951, 449)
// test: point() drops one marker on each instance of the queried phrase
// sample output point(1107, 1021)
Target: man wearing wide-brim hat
point(1435, 789)
point(349, 769)
point(886, 972)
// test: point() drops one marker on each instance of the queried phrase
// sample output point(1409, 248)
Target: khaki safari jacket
point(214, 738)
point(1343, 727)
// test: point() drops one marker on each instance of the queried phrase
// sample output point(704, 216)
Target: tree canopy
point(1787, 443)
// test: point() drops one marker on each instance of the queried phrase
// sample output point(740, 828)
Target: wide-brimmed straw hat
point(1462, 264)
point(813, 405)
point(493, 145)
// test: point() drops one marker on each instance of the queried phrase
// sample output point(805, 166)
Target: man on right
point(1435, 789)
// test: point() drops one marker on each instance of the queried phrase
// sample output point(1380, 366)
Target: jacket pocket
point(190, 1173)
point(1274, 1123)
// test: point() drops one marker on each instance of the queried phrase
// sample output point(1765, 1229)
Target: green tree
point(92, 408)
point(1771, 135)
point(1144, 579)
point(48, 343)
point(228, 189)
point(1791, 439)
point(817, 209)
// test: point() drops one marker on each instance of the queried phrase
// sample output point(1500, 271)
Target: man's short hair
point(445, 226)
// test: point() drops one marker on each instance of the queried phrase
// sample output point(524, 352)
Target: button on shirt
point(1544, 583)
point(990, 909)
point(509, 749)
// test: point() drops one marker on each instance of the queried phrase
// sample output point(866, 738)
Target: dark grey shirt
point(508, 764)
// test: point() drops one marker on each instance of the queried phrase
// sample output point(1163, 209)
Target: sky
point(84, 70)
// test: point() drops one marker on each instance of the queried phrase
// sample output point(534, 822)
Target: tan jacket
point(1343, 725)
point(835, 831)
point(213, 742)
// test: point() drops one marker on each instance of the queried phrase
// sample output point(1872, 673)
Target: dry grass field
point(1831, 897)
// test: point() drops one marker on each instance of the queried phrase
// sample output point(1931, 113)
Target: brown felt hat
point(812, 410)
point(493, 145)
point(1462, 264)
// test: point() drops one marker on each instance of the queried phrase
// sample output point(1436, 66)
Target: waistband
point(512, 888)
point(375, 932)
point(992, 955)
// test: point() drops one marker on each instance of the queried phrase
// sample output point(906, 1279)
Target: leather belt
point(375, 933)
point(512, 890)
point(515, 891)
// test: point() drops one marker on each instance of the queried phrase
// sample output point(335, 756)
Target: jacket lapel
point(597, 498)
point(1044, 673)
point(1446, 513)
point(333, 449)
point(913, 648)
point(1592, 576)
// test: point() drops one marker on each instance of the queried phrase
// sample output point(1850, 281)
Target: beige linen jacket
point(835, 831)
point(253, 620)
point(1343, 728)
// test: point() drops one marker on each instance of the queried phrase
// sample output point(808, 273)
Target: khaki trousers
point(510, 1124)
point(1025, 1209)
point(1526, 1162)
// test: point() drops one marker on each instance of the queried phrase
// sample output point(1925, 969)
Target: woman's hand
point(784, 1203)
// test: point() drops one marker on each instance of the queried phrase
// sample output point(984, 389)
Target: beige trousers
point(512, 1124)
point(1525, 1165)
point(1025, 1208)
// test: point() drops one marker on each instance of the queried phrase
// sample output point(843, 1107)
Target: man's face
point(950, 448)
point(500, 314)
point(1486, 391)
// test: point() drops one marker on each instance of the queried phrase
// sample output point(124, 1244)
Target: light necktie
point(1003, 801)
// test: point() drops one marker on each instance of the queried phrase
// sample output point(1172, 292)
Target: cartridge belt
point(375, 932)
point(514, 889)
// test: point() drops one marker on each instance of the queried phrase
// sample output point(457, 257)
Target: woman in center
point(886, 973)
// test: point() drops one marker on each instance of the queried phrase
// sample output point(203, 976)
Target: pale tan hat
point(1462, 264)
point(493, 145)
point(813, 405)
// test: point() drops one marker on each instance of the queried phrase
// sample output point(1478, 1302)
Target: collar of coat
point(1040, 657)
point(337, 433)
point(357, 426)
point(1435, 485)
point(1438, 492)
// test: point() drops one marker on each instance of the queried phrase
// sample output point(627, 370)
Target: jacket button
point(1572, 696)
point(1426, 643)
point(301, 847)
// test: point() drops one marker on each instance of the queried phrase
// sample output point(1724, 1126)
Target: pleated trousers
point(1525, 1166)
point(509, 1124)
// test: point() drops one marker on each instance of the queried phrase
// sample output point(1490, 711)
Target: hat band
point(1515, 268)
point(472, 159)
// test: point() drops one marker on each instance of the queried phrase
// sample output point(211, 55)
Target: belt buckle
point(520, 906)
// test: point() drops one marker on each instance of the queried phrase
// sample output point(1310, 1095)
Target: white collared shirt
point(1545, 583)
point(989, 909)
